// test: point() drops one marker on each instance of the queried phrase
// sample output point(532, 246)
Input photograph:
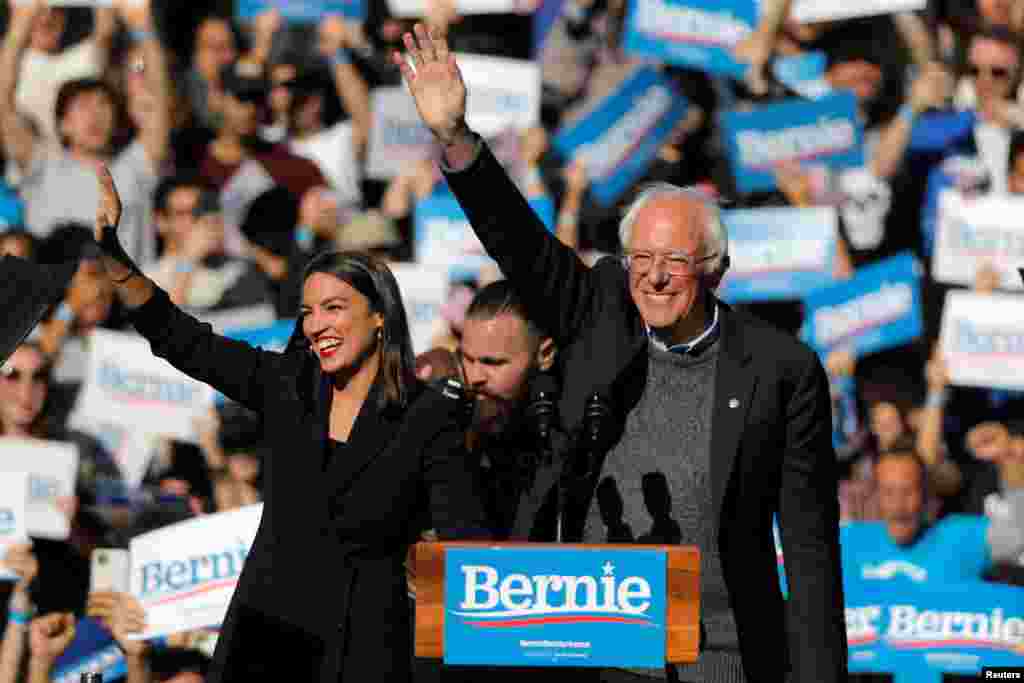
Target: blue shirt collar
point(697, 343)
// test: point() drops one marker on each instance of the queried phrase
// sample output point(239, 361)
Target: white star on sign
point(608, 568)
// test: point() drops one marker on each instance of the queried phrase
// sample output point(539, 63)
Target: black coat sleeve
point(809, 530)
point(233, 368)
point(557, 287)
point(453, 492)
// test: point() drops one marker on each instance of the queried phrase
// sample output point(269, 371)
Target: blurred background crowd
point(240, 149)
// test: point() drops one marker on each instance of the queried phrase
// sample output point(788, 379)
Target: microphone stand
point(590, 443)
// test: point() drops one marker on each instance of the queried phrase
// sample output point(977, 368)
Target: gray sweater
point(655, 487)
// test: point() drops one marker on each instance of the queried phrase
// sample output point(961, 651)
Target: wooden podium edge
point(682, 618)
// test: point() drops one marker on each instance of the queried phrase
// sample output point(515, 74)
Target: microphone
point(542, 408)
point(597, 413)
point(454, 389)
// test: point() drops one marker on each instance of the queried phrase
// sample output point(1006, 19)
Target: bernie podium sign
point(557, 605)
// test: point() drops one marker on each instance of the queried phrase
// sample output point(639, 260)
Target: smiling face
point(668, 224)
point(339, 323)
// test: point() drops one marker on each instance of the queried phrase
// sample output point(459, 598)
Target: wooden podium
point(682, 637)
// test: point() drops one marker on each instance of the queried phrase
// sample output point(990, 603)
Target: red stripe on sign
point(867, 640)
point(205, 589)
point(567, 619)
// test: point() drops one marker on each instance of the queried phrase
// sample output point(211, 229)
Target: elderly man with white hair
point(721, 421)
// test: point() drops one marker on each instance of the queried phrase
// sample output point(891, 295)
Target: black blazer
point(771, 443)
point(322, 595)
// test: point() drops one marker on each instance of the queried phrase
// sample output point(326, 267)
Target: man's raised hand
point(435, 82)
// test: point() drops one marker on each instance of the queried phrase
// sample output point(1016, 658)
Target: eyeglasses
point(40, 376)
point(997, 72)
point(676, 262)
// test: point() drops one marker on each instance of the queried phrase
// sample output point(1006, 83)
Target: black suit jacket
point(322, 595)
point(771, 436)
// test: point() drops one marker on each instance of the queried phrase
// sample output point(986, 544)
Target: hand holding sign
point(100, 605)
point(128, 617)
point(436, 84)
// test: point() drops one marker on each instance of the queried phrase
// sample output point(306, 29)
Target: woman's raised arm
point(232, 367)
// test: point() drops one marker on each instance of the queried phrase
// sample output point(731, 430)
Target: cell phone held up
point(109, 570)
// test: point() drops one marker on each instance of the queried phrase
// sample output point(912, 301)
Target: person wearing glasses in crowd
point(362, 454)
point(722, 420)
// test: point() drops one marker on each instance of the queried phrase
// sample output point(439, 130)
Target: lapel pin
point(733, 403)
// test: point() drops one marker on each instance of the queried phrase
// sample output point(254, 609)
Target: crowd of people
point(240, 160)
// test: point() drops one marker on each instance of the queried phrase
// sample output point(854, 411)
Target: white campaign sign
point(246, 184)
point(185, 574)
point(126, 384)
point(971, 233)
point(503, 93)
point(52, 467)
point(418, 8)
point(398, 137)
point(13, 504)
point(809, 11)
point(982, 339)
point(131, 449)
point(424, 290)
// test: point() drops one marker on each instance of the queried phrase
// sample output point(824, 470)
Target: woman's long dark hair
point(43, 426)
point(374, 280)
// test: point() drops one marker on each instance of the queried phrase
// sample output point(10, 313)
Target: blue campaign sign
point(918, 632)
point(555, 607)
point(270, 338)
point(879, 308)
point(803, 73)
point(93, 649)
point(443, 235)
point(913, 618)
point(699, 34)
point(826, 130)
point(778, 253)
point(620, 137)
point(303, 11)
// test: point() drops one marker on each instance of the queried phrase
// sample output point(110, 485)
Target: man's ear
point(546, 354)
point(714, 278)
